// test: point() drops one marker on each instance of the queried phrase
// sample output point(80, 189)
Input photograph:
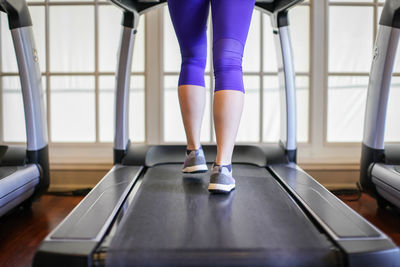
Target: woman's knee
point(194, 59)
point(228, 54)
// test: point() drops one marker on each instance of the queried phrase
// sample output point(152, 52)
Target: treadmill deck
point(173, 220)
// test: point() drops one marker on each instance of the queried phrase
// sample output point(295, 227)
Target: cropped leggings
point(231, 21)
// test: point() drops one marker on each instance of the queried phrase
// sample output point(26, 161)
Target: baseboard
point(68, 177)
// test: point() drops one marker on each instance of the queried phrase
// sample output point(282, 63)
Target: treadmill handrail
point(385, 50)
point(30, 76)
point(279, 18)
point(18, 13)
point(391, 14)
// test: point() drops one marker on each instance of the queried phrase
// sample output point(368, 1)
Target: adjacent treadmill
point(24, 171)
point(145, 212)
point(380, 162)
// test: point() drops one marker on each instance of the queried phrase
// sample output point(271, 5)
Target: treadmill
point(380, 162)
point(24, 171)
point(145, 212)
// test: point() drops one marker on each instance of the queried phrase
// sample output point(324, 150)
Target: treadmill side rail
point(356, 236)
point(86, 225)
point(387, 181)
point(17, 183)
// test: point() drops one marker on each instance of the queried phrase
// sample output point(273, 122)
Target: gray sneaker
point(221, 180)
point(195, 162)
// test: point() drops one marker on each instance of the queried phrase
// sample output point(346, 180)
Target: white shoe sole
point(197, 168)
point(221, 187)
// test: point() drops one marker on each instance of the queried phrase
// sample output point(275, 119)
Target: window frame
point(316, 150)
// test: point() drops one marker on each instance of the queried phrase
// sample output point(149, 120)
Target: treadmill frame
point(374, 149)
point(359, 241)
point(287, 88)
point(36, 152)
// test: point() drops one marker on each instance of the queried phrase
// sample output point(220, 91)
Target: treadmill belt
point(173, 220)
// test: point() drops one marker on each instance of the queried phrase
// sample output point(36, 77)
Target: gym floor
point(22, 231)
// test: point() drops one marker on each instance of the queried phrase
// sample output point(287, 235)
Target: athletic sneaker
point(221, 180)
point(195, 161)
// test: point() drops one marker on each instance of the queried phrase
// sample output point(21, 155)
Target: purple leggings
point(231, 21)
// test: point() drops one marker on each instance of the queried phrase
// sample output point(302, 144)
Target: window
point(350, 57)
point(261, 119)
point(78, 60)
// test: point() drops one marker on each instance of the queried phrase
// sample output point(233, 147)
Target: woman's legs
point(190, 22)
point(192, 99)
point(227, 107)
point(231, 22)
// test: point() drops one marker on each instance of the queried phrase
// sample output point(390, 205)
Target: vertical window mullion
point(154, 90)
point(375, 20)
point(47, 67)
point(1, 92)
point(160, 78)
point(212, 83)
point(319, 75)
point(261, 77)
point(96, 69)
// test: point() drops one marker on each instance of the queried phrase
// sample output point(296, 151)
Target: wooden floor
point(21, 232)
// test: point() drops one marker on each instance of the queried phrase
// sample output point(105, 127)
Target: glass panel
point(109, 36)
point(205, 135)
point(302, 100)
point(109, 40)
point(249, 129)
point(300, 36)
point(8, 59)
point(9, 62)
point(392, 133)
point(106, 108)
point(13, 111)
point(251, 56)
point(137, 109)
point(138, 59)
point(271, 131)
point(271, 113)
point(172, 57)
point(71, 38)
point(346, 107)
point(173, 125)
point(396, 62)
point(72, 109)
point(38, 20)
point(350, 49)
point(378, 18)
point(269, 51)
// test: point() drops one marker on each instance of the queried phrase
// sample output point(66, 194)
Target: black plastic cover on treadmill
point(150, 156)
point(87, 220)
point(173, 220)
